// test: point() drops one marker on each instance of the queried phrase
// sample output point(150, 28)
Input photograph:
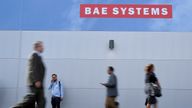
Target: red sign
point(125, 11)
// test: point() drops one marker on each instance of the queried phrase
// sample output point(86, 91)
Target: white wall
point(81, 59)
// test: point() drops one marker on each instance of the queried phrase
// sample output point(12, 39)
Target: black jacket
point(36, 69)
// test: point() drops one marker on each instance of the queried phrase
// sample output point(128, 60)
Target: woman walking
point(151, 79)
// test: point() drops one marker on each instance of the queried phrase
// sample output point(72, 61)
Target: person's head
point(110, 70)
point(38, 46)
point(54, 77)
point(150, 68)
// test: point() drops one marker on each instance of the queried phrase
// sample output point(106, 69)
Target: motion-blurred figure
point(153, 88)
point(36, 73)
point(112, 90)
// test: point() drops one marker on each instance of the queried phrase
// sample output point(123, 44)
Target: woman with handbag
point(149, 80)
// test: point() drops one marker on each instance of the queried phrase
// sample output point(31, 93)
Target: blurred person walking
point(112, 90)
point(153, 88)
point(36, 73)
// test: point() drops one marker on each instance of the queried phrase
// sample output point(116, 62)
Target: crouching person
point(56, 91)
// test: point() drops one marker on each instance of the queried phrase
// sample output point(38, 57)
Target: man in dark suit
point(36, 75)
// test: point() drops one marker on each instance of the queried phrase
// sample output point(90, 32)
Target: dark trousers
point(55, 101)
point(36, 95)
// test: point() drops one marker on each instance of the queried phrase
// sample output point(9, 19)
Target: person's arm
point(158, 83)
point(62, 91)
point(51, 85)
point(35, 70)
point(111, 82)
point(156, 80)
